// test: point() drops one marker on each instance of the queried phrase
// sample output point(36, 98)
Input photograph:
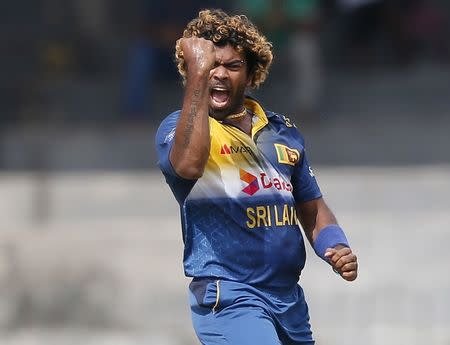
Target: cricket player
point(244, 185)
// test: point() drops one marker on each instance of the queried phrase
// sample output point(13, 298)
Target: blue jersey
point(239, 219)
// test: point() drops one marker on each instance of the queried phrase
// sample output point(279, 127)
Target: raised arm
point(327, 238)
point(190, 150)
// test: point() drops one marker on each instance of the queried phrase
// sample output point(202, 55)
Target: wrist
point(330, 236)
point(198, 72)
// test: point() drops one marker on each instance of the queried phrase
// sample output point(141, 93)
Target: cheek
point(240, 82)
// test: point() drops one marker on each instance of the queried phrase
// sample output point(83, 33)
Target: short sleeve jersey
point(239, 220)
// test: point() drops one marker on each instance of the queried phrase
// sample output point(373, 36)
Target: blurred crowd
point(48, 44)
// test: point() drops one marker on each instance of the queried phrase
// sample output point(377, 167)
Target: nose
point(220, 72)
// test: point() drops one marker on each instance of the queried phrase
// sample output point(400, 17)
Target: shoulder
point(285, 124)
point(166, 129)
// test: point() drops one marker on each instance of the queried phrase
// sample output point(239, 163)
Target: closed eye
point(232, 66)
point(235, 66)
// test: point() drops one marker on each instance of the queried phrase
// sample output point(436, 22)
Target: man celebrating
point(242, 179)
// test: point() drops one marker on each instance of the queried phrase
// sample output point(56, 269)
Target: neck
point(237, 116)
point(241, 120)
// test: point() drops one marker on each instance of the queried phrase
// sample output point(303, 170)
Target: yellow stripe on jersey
point(258, 111)
point(229, 145)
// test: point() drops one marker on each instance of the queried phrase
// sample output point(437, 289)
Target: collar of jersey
point(262, 119)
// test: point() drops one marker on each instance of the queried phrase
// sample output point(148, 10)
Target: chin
point(219, 112)
point(218, 115)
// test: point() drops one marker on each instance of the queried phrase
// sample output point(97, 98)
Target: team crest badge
point(287, 155)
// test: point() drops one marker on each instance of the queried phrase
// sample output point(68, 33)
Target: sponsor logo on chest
point(263, 181)
point(233, 149)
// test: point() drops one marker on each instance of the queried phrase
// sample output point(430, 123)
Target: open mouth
point(220, 96)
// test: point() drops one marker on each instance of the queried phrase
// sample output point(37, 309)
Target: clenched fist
point(343, 262)
point(199, 54)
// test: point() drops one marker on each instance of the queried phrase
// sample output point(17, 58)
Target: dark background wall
point(85, 83)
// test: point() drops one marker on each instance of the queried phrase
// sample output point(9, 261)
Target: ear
point(249, 80)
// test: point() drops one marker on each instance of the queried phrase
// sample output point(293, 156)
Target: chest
point(272, 148)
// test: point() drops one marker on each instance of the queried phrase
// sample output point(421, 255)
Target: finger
point(343, 260)
point(329, 253)
point(348, 267)
point(340, 253)
point(350, 276)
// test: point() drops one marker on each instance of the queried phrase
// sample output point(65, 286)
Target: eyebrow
point(230, 62)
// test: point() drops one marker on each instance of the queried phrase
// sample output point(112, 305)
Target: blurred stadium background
point(90, 243)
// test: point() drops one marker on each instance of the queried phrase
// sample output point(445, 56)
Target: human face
point(227, 82)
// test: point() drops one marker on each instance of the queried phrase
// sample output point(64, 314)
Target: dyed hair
point(237, 30)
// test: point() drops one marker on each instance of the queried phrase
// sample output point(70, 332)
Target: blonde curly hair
point(217, 26)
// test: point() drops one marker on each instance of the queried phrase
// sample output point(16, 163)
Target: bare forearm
point(192, 139)
point(315, 215)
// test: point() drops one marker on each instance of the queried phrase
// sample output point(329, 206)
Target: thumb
point(329, 252)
